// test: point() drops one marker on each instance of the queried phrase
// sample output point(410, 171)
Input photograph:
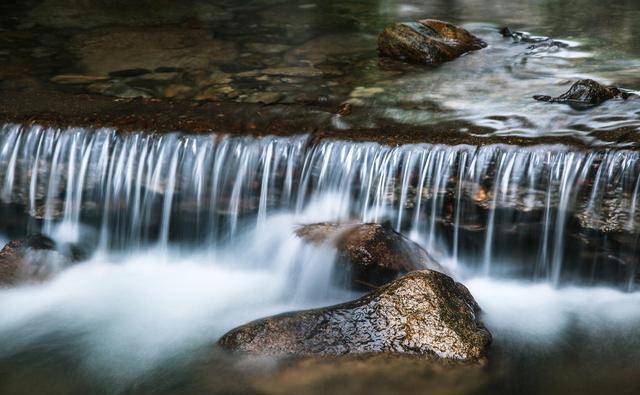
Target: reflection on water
point(132, 323)
point(324, 54)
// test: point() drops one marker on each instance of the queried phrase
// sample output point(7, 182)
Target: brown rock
point(28, 260)
point(73, 79)
point(422, 313)
point(374, 254)
point(428, 41)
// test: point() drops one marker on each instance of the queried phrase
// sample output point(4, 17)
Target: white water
point(130, 313)
point(140, 189)
point(125, 317)
point(195, 235)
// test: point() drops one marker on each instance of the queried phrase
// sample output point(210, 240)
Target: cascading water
point(193, 235)
point(496, 210)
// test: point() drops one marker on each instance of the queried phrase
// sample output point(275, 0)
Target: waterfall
point(549, 212)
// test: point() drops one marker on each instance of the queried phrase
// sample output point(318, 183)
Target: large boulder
point(429, 41)
point(370, 254)
point(32, 259)
point(423, 313)
point(586, 94)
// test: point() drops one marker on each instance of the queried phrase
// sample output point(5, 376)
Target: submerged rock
point(373, 254)
point(585, 94)
point(32, 259)
point(423, 313)
point(428, 41)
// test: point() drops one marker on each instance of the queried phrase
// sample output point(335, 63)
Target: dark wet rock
point(32, 259)
point(293, 72)
point(165, 69)
point(428, 41)
point(586, 94)
point(73, 79)
point(535, 41)
point(373, 254)
point(264, 97)
point(129, 73)
point(424, 313)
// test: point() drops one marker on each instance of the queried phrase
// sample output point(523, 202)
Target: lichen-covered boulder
point(423, 312)
point(32, 259)
point(429, 41)
point(585, 94)
point(370, 254)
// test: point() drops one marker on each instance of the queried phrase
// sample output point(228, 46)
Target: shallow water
point(324, 54)
point(144, 318)
point(145, 322)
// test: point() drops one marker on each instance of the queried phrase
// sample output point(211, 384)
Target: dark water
point(138, 324)
point(324, 54)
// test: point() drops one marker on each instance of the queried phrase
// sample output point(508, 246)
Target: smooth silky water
point(190, 236)
point(193, 235)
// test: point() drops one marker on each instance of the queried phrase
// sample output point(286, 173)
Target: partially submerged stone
point(422, 313)
point(585, 94)
point(428, 41)
point(32, 259)
point(372, 254)
point(535, 41)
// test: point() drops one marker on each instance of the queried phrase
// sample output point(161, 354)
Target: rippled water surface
point(324, 54)
point(142, 315)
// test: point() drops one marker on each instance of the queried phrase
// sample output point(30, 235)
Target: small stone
point(264, 97)
point(75, 79)
point(217, 93)
point(168, 76)
point(585, 94)
point(177, 91)
point(248, 74)
point(266, 48)
point(129, 73)
point(293, 71)
point(362, 92)
point(215, 79)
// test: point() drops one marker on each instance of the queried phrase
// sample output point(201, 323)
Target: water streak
point(500, 210)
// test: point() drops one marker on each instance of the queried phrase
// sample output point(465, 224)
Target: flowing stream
point(191, 235)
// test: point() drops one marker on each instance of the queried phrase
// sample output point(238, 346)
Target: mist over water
point(191, 236)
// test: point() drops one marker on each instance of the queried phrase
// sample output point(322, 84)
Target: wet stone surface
point(369, 255)
point(423, 313)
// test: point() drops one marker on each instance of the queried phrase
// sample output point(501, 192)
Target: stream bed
point(179, 237)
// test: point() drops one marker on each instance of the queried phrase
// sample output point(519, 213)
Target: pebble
point(77, 79)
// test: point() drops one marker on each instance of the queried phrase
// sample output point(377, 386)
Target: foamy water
point(127, 316)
